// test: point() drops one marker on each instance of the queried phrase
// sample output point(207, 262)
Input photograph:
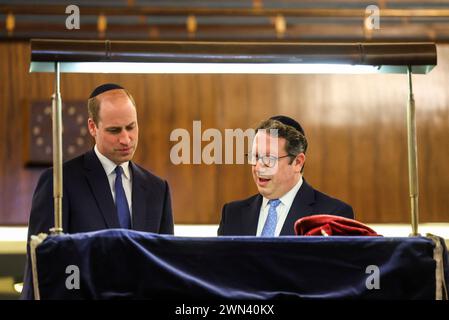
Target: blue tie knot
point(118, 171)
point(274, 203)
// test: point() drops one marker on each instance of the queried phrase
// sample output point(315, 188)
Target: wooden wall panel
point(355, 125)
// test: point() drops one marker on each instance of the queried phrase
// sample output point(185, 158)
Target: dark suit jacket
point(88, 204)
point(240, 218)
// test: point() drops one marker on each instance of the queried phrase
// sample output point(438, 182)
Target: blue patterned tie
point(124, 216)
point(270, 224)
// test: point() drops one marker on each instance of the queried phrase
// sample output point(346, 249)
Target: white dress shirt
point(282, 209)
point(109, 168)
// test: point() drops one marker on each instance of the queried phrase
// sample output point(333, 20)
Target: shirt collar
point(109, 166)
point(287, 198)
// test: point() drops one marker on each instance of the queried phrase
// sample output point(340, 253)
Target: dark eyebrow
point(113, 128)
point(120, 128)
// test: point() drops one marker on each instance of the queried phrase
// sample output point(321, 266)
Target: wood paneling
point(355, 125)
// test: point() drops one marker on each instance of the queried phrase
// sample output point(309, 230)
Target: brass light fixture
point(10, 23)
point(60, 56)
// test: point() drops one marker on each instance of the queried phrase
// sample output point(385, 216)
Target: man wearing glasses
point(277, 160)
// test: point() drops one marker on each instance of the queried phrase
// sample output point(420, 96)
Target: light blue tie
point(270, 224)
point(124, 216)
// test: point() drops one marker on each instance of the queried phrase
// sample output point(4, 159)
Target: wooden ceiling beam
point(157, 11)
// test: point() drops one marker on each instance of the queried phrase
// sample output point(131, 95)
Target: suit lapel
point(138, 199)
point(100, 188)
point(301, 207)
point(251, 218)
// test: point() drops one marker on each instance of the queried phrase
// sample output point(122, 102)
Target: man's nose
point(124, 137)
point(259, 167)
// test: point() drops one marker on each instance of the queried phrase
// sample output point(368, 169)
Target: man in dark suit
point(277, 159)
point(102, 188)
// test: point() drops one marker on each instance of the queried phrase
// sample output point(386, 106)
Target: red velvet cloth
point(324, 224)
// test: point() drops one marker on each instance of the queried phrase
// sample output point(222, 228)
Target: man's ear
point(299, 161)
point(92, 127)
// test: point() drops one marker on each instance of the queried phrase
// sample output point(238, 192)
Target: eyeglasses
point(268, 161)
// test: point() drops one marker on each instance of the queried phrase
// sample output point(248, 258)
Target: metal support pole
point(412, 157)
point(57, 153)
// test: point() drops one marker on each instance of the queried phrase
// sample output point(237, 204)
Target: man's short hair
point(93, 104)
point(290, 122)
point(296, 141)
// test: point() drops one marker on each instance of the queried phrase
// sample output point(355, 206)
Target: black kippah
point(289, 122)
point(103, 88)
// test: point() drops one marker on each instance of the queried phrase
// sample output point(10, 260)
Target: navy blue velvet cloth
point(115, 264)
